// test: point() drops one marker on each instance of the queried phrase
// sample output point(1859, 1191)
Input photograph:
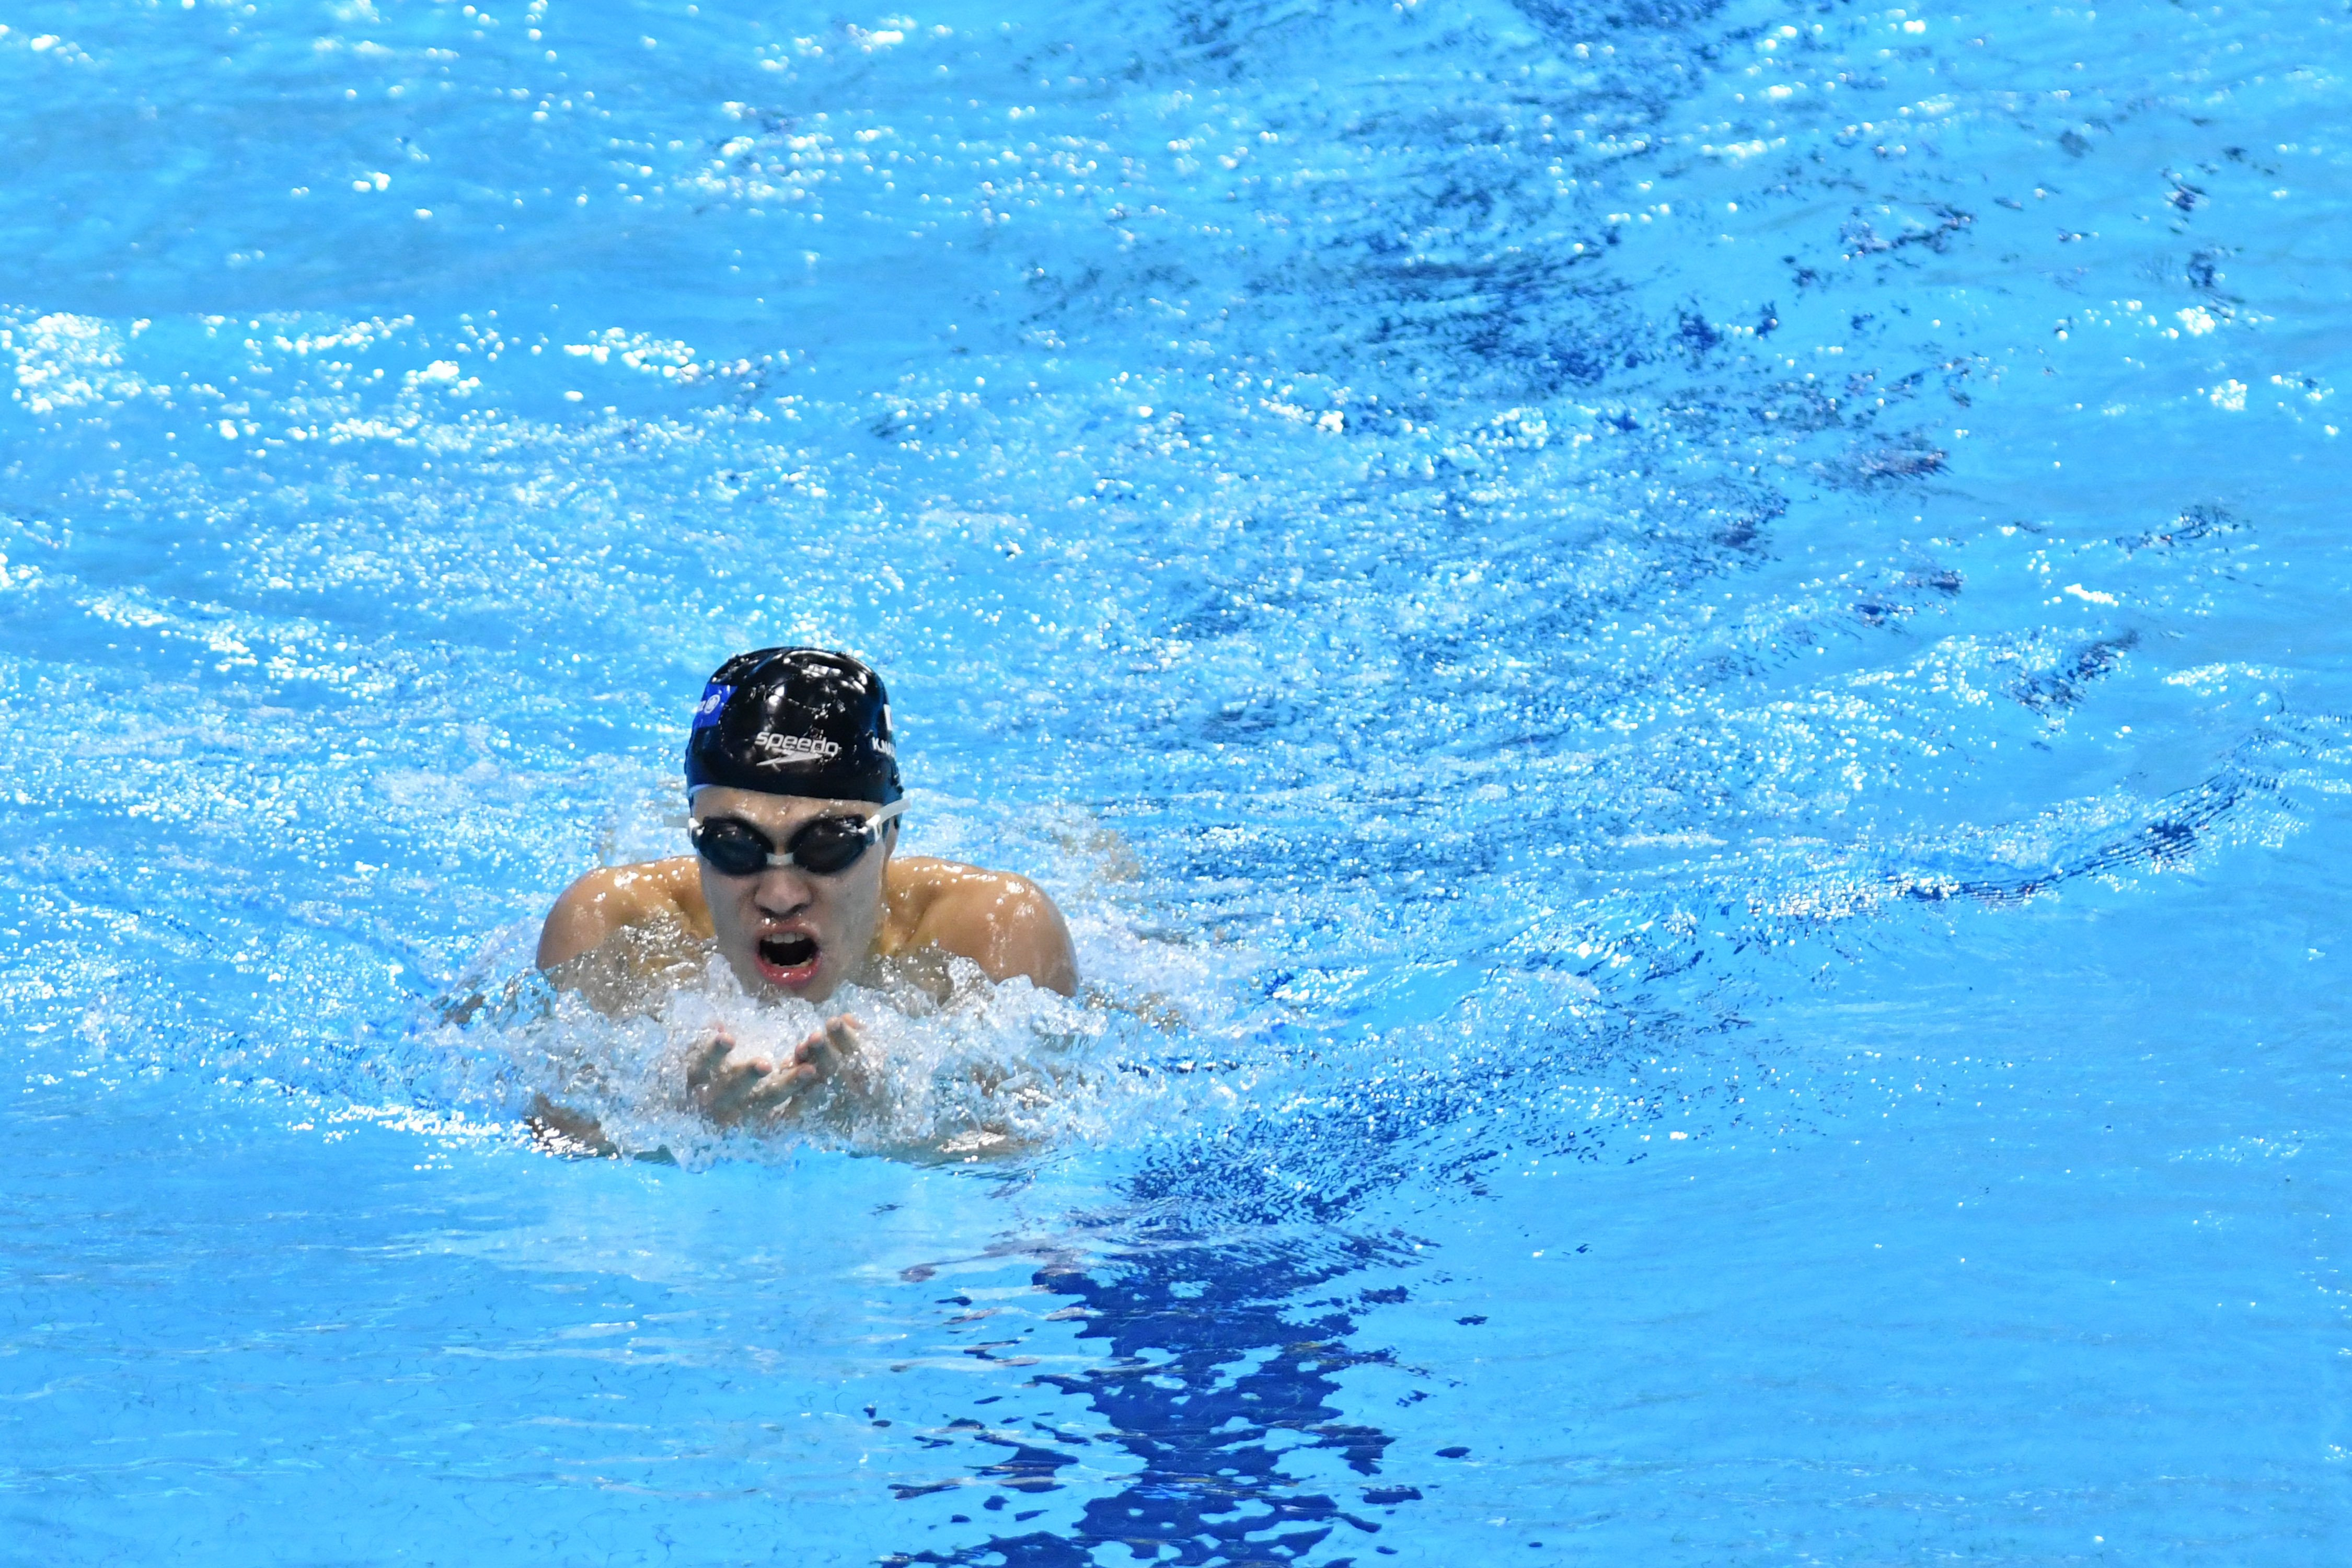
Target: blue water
point(1681, 666)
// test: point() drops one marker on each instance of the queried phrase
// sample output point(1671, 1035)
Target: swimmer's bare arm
point(600, 906)
point(1000, 921)
point(613, 898)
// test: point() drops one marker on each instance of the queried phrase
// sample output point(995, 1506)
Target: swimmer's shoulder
point(1001, 920)
point(615, 898)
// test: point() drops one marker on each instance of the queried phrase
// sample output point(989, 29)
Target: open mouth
point(790, 958)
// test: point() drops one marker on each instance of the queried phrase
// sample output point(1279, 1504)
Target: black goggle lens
point(829, 844)
point(736, 848)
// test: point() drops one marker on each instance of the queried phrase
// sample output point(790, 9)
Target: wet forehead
point(777, 814)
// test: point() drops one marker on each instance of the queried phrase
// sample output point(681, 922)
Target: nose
point(782, 893)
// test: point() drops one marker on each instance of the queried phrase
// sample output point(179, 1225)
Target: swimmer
point(792, 779)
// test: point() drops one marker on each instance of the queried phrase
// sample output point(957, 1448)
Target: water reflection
point(1221, 1360)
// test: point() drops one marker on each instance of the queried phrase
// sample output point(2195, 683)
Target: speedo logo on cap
point(785, 750)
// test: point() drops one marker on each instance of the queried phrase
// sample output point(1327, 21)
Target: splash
point(968, 1071)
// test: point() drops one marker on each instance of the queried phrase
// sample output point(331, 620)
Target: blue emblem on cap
point(713, 703)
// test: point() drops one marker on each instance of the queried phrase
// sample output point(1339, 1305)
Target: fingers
point(829, 1048)
point(705, 1057)
point(728, 1089)
point(716, 1088)
point(777, 1086)
point(854, 1062)
point(750, 1087)
point(707, 1066)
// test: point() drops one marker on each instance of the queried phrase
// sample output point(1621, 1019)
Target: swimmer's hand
point(558, 1131)
point(731, 1090)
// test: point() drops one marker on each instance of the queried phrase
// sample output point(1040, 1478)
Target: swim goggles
point(826, 846)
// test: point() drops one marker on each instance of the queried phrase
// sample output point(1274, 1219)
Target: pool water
point(1681, 666)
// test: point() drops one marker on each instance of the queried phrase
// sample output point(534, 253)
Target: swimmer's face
point(784, 930)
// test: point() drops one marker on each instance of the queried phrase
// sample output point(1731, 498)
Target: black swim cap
point(794, 721)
